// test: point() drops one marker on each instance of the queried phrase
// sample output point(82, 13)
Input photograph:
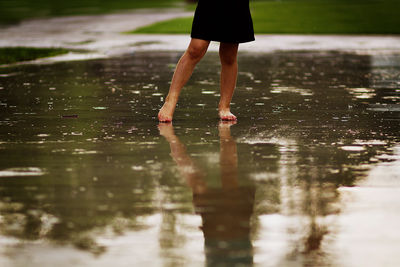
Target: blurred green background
point(284, 16)
point(12, 11)
point(308, 17)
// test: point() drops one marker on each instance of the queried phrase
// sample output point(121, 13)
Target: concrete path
point(102, 36)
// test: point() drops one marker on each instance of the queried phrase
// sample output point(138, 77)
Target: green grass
point(309, 17)
point(10, 55)
point(13, 11)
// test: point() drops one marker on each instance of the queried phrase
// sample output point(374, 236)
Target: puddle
point(110, 186)
point(15, 172)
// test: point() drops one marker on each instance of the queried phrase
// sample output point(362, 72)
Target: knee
point(228, 53)
point(227, 59)
point(195, 53)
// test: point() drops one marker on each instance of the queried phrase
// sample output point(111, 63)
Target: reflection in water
point(85, 173)
point(225, 211)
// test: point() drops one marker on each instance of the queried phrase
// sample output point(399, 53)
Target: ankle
point(224, 108)
point(171, 100)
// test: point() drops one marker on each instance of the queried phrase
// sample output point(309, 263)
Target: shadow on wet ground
point(88, 177)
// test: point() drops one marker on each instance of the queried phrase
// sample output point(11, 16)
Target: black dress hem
point(222, 40)
point(225, 21)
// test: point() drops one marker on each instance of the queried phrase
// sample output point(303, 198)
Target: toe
point(164, 119)
point(228, 118)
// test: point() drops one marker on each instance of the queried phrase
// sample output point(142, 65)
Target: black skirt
point(227, 21)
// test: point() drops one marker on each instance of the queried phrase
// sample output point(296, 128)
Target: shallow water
point(304, 178)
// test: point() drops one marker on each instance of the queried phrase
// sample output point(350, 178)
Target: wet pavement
point(308, 176)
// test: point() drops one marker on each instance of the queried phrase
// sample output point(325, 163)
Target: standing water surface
point(89, 178)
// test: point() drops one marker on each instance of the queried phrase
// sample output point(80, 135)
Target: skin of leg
point(184, 69)
point(229, 70)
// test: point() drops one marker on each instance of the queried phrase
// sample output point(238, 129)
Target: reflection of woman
point(225, 211)
point(226, 21)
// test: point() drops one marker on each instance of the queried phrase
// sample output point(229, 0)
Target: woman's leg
point(228, 57)
point(184, 69)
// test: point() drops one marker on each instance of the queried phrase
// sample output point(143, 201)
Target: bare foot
point(166, 112)
point(226, 115)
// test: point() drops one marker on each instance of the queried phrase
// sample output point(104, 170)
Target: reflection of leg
point(226, 212)
point(228, 156)
point(228, 57)
point(188, 170)
point(184, 69)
